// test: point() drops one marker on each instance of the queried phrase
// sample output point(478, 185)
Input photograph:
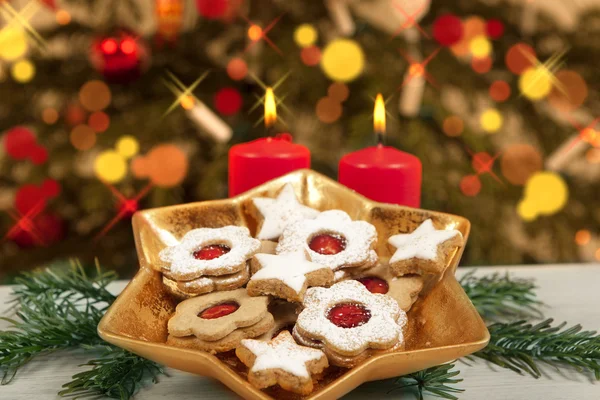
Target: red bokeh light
point(212, 9)
point(109, 46)
point(228, 101)
point(311, 55)
point(38, 155)
point(19, 142)
point(128, 46)
point(494, 28)
point(470, 185)
point(447, 30)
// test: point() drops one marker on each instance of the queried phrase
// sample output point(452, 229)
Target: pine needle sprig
point(116, 374)
point(521, 346)
point(500, 296)
point(434, 380)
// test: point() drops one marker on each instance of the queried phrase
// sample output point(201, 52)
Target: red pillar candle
point(383, 173)
point(259, 161)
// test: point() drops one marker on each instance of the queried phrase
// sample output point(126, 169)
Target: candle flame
point(379, 115)
point(270, 108)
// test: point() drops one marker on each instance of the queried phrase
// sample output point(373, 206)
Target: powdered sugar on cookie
point(357, 239)
point(383, 328)
point(422, 243)
point(280, 212)
point(289, 268)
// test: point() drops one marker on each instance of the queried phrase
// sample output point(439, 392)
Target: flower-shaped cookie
point(348, 319)
point(281, 361)
point(332, 239)
point(215, 315)
point(275, 214)
point(207, 284)
point(209, 251)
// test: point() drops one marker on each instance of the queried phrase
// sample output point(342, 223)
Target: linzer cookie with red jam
point(208, 259)
point(349, 323)
point(424, 251)
point(216, 322)
point(281, 362)
point(332, 239)
point(273, 215)
point(287, 276)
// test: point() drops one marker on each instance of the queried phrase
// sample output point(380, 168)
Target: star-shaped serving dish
point(442, 325)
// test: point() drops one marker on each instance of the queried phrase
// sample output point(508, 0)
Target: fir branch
point(434, 380)
point(116, 374)
point(520, 347)
point(496, 296)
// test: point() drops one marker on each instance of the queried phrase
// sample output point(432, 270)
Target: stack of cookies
point(316, 293)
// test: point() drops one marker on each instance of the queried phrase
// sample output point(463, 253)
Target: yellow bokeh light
point(491, 120)
point(127, 146)
point(13, 43)
point(187, 102)
point(255, 32)
point(305, 35)
point(546, 193)
point(535, 83)
point(343, 60)
point(23, 71)
point(480, 46)
point(110, 166)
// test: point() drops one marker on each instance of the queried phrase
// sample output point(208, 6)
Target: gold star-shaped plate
point(442, 325)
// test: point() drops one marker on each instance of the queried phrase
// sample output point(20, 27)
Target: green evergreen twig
point(500, 296)
point(434, 380)
point(520, 347)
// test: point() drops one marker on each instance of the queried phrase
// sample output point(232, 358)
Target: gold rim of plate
point(443, 324)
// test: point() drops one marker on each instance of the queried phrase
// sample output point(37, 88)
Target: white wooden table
point(571, 292)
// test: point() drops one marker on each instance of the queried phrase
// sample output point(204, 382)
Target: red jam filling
point(374, 284)
point(348, 315)
point(220, 310)
point(327, 244)
point(211, 252)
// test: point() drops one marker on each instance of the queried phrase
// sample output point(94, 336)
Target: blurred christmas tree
point(107, 108)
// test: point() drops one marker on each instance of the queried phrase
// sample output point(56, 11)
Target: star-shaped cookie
point(279, 212)
point(287, 275)
point(423, 251)
point(281, 361)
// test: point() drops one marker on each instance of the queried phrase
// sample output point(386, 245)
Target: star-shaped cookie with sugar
point(281, 361)
point(286, 276)
point(275, 214)
point(424, 251)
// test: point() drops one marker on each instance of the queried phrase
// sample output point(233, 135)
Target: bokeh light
point(255, 32)
point(482, 162)
point(481, 65)
point(328, 110)
point(212, 9)
point(545, 193)
point(38, 155)
point(74, 114)
point(19, 142)
point(110, 166)
point(305, 35)
point(63, 17)
point(49, 115)
point(491, 120)
point(447, 30)
point(494, 28)
point(338, 91)
point(499, 91)
point(470, 185)
point(127, 146)
point(94, 95)
point(237, 69)
point(480, 46)
point(535, 83)
point(583, 237)
point(519, 58)
point(453, 126)
point(82, 137)
point(311, 56)
point(343, 60)
point(569, 92)
point(472, 27)
point(23, 71)
point(13, 42)
point(99, 121)
point(519, 162)
point(187, 102)
point(166, 165)
point(228, 101)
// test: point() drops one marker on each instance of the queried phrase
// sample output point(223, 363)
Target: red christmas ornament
point(211, 252)
point(220, 310)
point(327, 244)
point(211, 9)
point(348, 315)
point(119, 59)
point(19, 142)
point(447, 30)
point(494, 28)
point(374, 284)
point(228, 101)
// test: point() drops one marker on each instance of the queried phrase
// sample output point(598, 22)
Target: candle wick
point(380, 138)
